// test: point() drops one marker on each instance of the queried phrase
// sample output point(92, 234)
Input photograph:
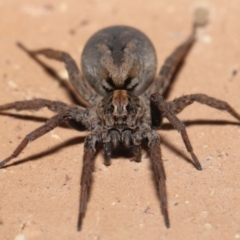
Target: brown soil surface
point(39, 194)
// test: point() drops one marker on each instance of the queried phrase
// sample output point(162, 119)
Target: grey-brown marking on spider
point(119, 58)
point(124, 101)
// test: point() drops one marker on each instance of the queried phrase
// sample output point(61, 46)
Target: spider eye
point(127, 82)
point(110, 82)
point(115, 118)
point(129, 108)
point(131, 82)
point(109, 109)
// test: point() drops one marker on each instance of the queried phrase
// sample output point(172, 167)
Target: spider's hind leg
point(174, 61)
point(78, 82)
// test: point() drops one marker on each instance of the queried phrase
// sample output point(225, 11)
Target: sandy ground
point(39, 194)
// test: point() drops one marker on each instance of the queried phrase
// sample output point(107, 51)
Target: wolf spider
point(123, 103)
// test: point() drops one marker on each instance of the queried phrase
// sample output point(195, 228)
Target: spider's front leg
point(48, 126)
point(65, 114)
point(87, 169)
point(166, 111)
point(159, 173)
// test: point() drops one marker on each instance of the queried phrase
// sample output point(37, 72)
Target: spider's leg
point(178, 104)
point(173, 62)
point(157, 164)
point(35, 104)
point(78, 82)
point(68, 113)
point(47, 127)
point(163, 107)
point(170, 66)
point(86, 178)
point(53, 73)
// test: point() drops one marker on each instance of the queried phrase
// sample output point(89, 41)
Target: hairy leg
point(178, 104)
point(170, 65)
point(75, 77)
point(86, 178)
point(47, 127)
point(163, 107)
point(35, 104)
point(65, 113)
point(157, 164)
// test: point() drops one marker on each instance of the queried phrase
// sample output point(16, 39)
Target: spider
point(124, 104)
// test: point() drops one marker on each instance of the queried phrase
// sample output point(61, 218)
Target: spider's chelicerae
point(123, 102)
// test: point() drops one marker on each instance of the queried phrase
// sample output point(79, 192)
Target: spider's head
point(120, 110)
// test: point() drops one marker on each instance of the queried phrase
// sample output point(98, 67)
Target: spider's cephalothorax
point(123, 102)
point(120, 110)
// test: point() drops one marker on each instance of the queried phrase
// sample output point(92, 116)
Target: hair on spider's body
point(125, 103)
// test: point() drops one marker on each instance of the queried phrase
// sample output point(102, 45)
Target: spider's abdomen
point(119, 57)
